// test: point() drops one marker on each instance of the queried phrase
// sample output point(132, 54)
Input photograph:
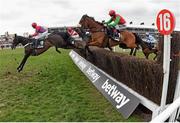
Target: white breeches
point(41, 35)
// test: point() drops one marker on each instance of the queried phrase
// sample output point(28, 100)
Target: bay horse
point(100, 38)
point(54, 39)
point(87, 37)
point(146, 49)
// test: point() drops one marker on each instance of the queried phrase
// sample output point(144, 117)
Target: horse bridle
point(23, 40)
point(87, 29)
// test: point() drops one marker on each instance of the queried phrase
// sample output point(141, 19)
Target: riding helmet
point(112, 12)
point(34, 25)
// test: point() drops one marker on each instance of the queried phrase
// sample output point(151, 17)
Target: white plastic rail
point(167, 112)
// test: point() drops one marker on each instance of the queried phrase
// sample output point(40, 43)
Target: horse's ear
point(15, 35)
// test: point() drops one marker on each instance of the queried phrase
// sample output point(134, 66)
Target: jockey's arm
point(109, 21)
point(115, 22)
point(75, 33)
point(35, 34)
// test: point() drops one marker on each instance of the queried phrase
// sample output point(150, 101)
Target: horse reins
point(27, 44)
point(94, 31)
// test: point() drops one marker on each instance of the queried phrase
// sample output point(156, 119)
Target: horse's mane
point(22, 38)
point(92, 18)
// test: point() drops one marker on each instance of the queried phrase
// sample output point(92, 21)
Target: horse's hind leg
point(20, 68)
point(132, 49)
point(57, 50)
point(135, 50)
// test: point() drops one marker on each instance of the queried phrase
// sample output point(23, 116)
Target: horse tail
point(138, 39)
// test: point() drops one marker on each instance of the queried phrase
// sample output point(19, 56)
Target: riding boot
point(39, 45)
point(34, 44)
point(149, 45)
point(112, 34)
point(116, 36)
point(70, 41)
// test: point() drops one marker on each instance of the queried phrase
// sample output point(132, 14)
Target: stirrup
point(116, 38)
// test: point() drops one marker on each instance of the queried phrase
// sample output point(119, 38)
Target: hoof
point(19, 70)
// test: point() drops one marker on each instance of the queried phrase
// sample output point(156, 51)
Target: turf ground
point(50, 88)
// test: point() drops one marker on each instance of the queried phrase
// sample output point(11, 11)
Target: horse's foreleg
point(147, 55)
point(155, 57)
point(110, 48)
point(87, 50)
point(57, 50)
point(156, 54)
point(108, 45)
point(23, 62)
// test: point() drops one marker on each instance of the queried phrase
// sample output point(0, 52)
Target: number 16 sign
point(165, 22)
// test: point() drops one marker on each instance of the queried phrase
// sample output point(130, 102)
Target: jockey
point(150, 40)
point(116, 21)
point(40, 33)
point(73, 34)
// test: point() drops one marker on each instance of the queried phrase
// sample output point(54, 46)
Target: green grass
point(50, 88)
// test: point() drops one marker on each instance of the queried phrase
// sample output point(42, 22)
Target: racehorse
point(146, 49)
point(54, 39)
point(84, 34)
point(100, 38)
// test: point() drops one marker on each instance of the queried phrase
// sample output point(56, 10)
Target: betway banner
point(124, 101)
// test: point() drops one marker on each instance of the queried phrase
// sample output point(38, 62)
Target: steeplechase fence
point(123, 79)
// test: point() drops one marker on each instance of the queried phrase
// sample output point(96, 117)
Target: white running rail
point(167, 113)
point(171, 110)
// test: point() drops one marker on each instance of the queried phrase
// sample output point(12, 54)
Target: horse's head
point(19, 40)
point(88, 22)
point(15, 42)
point(84, 22)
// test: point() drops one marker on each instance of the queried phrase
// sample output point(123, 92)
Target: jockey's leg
point(109, 32)
point(36, 42)
point(41, 37)
point(116, 32)
point(70, 40)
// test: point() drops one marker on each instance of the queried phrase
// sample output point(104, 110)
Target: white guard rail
point(166, 113)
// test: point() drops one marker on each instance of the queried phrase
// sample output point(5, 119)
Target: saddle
point(114, 34)
point(39, 43)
